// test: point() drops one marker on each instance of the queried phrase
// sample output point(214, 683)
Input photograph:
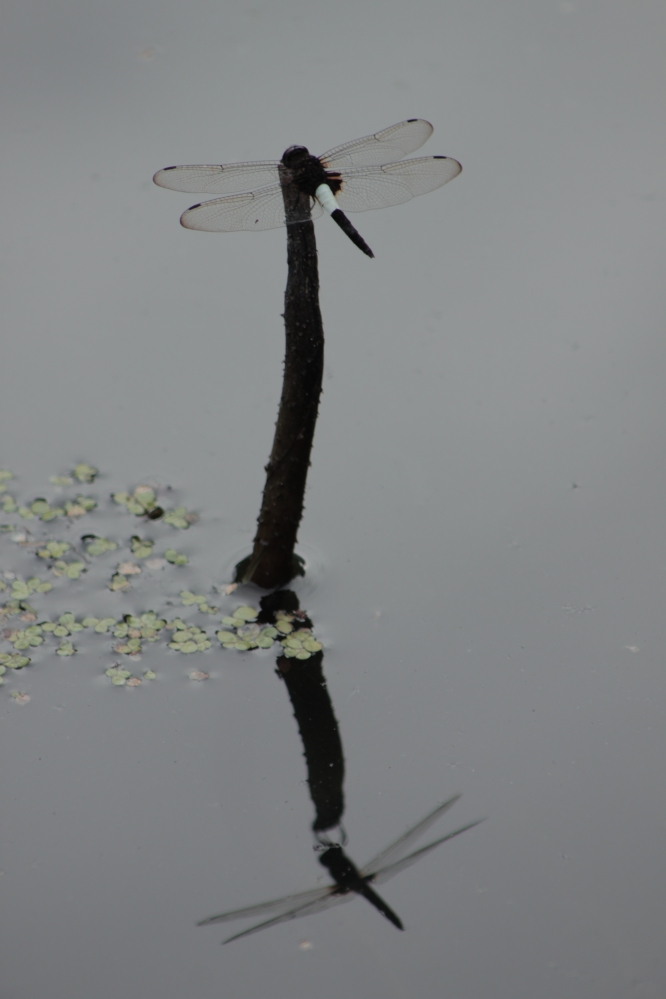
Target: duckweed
point(171, 555)
point(98, 546)
point(12, 660)
point(71, 570)
point(85, 473)
point(54, 549)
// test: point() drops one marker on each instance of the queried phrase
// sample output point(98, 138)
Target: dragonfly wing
point(276, 906)
point(383, 147)
point(395, 850)
point(231, 179)
point(386, 873)
point(262, 209)
point(330, 900)
point(380, 187)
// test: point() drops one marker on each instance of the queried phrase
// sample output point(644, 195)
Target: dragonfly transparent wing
point(391, 853)
point(262, 209)
point(386, 873)
point(308, 909)
point(380, 187)
point(276, 906)
point(234, 178)
point(386, 146)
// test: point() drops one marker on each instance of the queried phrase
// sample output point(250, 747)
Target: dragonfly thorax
point(343, 871)
point(304, 170)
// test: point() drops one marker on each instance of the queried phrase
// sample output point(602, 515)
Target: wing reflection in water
point(348, 882)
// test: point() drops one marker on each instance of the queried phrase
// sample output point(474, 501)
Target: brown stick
point(272, 562)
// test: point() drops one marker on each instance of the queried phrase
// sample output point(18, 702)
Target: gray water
point(484, 525)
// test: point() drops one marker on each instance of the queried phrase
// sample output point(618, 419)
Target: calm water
point(484, 525)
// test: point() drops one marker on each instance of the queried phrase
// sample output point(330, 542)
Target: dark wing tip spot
point(441, 157)
point(412, 119)
point(170, 168)
point(192, 207)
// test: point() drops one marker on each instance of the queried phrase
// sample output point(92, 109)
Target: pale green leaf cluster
point(100, 625)
point(118, 675)
point(187, 638)
point(80, 506)
point(247, 636)
point(99, 546)
point(171, 555)
point(85, 473)
point(54, 549)
point(300, 644)
point(65, 625)
point(71, 570)
point(141, 547)
point(140, 502)
point(189, 599)
point(21, 590)
point(25, 638)
point(296, 642)
point(12, 660)
point(180, 517)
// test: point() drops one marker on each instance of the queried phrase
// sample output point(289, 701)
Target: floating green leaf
point(12, 660)
point(71, 570)
point(65, 649)
point(188, 638)
point(140, 502)
point(102, 626)
point(54, 549)
point(119, 582)
point(149, 675)
point(141, 547)
point(180, 517)
point(188, 598)
point(98, 546)
point(80, 506)
point(60, 480)
point(9, 504)
point(85, 473)
point(171, 555)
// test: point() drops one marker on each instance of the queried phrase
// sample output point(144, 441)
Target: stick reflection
point(318, 728)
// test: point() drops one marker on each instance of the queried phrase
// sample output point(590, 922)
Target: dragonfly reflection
point(349, 881)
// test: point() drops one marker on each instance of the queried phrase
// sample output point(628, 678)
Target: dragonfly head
point(295, 156)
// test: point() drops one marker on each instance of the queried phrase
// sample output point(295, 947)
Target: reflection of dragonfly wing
point(380, 187)
point(307, 909)
point(381, 868)
point(383, 147)
point(276, 906)
point(386, 873)
point(391, 853)
point(230, 179)
point(262, 209)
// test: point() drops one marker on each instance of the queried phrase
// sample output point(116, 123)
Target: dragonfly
point(348, 880)
point(357, 176)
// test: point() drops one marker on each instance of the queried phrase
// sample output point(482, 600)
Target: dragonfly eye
point(295, 155)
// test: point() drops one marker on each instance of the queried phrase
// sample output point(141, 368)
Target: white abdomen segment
point(326, 198)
